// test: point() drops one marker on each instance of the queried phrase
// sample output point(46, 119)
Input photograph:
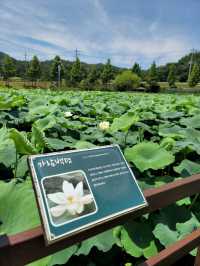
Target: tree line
point(74, 74)
point(78, 74)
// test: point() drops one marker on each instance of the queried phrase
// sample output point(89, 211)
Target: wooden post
point(5, 251)
point(197, 260)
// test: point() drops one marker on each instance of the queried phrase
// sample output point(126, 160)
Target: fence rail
point(176, 251)
point(28, 246)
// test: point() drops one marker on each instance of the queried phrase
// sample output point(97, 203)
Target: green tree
point(93, 75)
point(68, 68)
point(127, 80)
point(34, 70)
point(152, 78)
point(8, 68)
point(1, 71)
point(76, 74)
point(137, 69)
point(55, 69)
point(171, 76)
point(45, 73)
point(107, 73)
point(194, 77)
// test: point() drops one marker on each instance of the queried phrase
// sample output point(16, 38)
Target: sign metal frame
point(49, 237)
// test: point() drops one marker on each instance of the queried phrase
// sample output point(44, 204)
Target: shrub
point(126, 81)
point(84, 84)
point(153, 86)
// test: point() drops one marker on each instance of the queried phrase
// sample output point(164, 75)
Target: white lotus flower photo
point(72, 200)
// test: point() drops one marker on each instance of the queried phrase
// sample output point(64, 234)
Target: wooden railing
point(28, 246)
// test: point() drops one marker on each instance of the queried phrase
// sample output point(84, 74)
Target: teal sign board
point(78, 189)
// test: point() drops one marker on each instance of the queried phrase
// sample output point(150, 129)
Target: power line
point(103, 55)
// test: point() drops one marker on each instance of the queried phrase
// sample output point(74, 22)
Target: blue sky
point(125, 31)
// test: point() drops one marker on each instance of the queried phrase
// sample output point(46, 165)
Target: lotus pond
point(160, 138)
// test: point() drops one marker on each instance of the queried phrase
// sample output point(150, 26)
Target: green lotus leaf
point(58, 144)
point(188, 166)
point(6, 188)
point(165, 235)
point(38, 101)
point(99, 107)
point(75, 125)
point(81, 144)
point(131, 138)
point(18, 210)
point(171, 115)
point(124, 122)
point(157, 181)
point(173, 223)
point(46, 122)
point(116, 108)
point(74, 101)
point(192, 122)
point(171, 131)
point(191, 140)
point(7, 148)
point(42, 110)
point(138, 240)
point(186, 201)
point(147, 116)
point(93, 134)
point(39, 139)
point(192, 134)
point(18, 101)
point(103, 242)
point(62, 256)
point(148, 155)
point(5, 105)
point(22, 144)
point(117, 235)
point(145, 127)
point(22, 166)
point(168, 143)
point(188, 227)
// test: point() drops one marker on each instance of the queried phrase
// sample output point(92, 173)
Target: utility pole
point(191, 63)
point(59, 76)
point(77, 52)
point(25, 71)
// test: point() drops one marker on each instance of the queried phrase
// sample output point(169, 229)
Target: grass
point(18, 84)
point(179, 85)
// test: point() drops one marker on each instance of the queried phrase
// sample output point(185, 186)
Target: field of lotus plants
point(159, 135)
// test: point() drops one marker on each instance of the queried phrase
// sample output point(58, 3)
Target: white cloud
point(96, 33)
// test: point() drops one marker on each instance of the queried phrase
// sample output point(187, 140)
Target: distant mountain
point(45, 66)
point(2, 55)
point(182, 67)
